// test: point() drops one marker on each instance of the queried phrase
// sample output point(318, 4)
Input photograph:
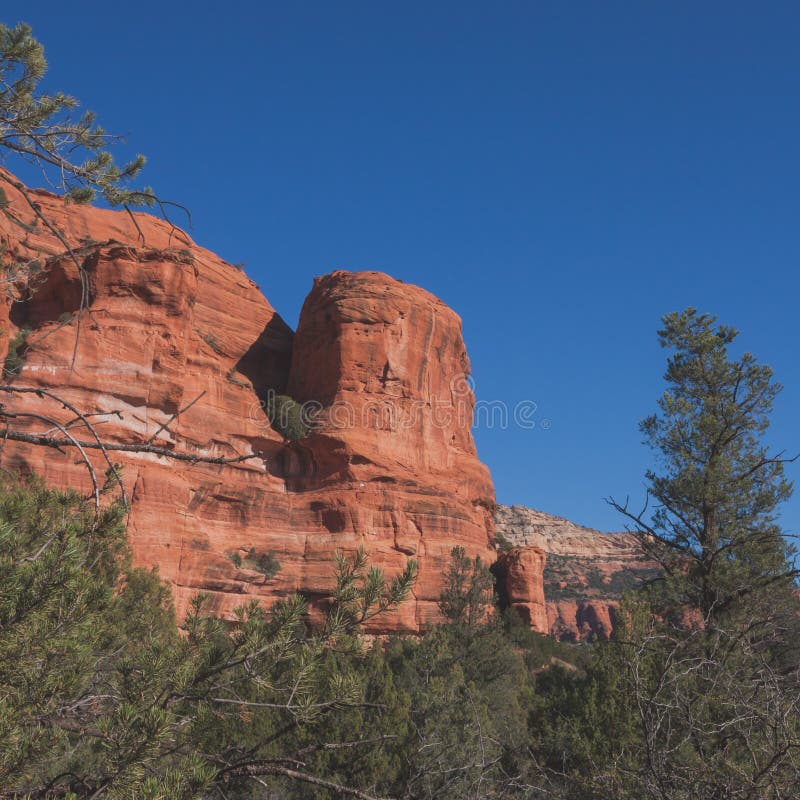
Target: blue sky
point(561, 174)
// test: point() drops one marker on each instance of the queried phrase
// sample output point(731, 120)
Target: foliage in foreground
point(104, 697)
point(43, 129)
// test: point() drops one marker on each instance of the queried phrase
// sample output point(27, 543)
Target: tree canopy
point(701, 686)
point(712, 516)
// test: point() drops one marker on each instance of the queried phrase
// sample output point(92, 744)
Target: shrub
point(211, 341)
point(15, 358)
point(286, 417)
point(265, 563)
point(467, 596)
point(230, 375)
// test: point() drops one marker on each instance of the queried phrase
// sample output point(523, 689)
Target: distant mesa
point(584, 575)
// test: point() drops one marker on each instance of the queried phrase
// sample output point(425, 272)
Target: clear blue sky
point(560, 173)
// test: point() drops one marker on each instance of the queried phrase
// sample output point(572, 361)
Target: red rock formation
point(393, 455)
point(519, 575)
point(390, 466)
point(585, 574)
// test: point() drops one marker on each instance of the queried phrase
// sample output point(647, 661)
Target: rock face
point(169, 326)
point(519, 573)
point(392, 456)
point(583, 577)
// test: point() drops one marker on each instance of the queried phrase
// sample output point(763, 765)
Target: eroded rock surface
point(170, 325)
point(519, 573)
point(168, 328)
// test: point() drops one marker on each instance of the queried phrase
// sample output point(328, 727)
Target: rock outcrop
point(519, 575)
point(584, 575)
point(162, 342)
point(169, 328)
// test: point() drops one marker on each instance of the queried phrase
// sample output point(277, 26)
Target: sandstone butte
point(391, 465)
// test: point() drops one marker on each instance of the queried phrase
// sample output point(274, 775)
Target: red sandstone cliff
point(584, 572)
point(390, 464)
point(391, 467)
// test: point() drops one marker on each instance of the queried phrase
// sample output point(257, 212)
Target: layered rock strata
point(152, 326)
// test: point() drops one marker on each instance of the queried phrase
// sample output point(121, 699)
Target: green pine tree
point(715, 502)
point(706, 657)
point(71, 149)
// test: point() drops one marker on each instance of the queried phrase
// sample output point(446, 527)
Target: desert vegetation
point(287, 417)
